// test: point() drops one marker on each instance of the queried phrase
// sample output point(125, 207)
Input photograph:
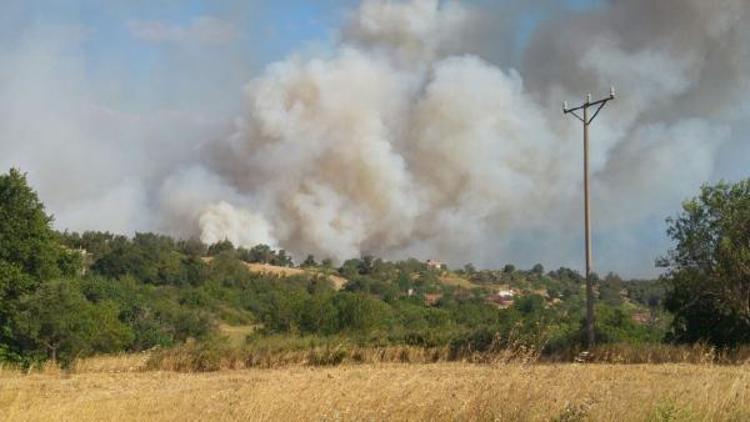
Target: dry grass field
point(337, 281)
point(118, 388)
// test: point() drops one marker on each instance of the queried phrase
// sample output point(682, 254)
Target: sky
point(152, 115)
point(113, 38)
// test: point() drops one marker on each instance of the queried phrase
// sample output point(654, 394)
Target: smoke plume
point(411, 136)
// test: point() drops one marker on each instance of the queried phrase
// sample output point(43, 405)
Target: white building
point(505, 293)
point(433, 263)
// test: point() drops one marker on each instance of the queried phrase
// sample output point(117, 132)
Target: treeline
point(68, 295)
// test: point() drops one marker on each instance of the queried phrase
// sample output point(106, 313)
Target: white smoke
point(224, 222)
point(396, 144)
point(407, 137)
point(387, 146)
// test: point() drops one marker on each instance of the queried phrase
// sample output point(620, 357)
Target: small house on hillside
point(435, 264)
point(506, 293)
point(502, 299)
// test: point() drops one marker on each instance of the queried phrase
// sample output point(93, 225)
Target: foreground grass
point(118, 389)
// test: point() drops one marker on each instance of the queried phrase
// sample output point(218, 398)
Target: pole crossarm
point(601, 103)
point(576, 115)
point(596, 113)
point(586, 120)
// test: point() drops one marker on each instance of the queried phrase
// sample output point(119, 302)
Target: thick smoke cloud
point(387, 146)
point(412, 136)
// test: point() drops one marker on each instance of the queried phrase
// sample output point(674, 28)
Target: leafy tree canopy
point(29, 252)
point(708, 274)
point(58, 320)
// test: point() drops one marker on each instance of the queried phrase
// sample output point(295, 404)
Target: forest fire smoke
point(397, 143)
point(411, 136)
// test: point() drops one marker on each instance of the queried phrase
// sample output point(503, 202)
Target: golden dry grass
point(455, 280)
point(337, 281)
point(443, 391)
point(275, 270)
point(236, 334)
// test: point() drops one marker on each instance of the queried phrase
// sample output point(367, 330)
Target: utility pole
point(586, 120)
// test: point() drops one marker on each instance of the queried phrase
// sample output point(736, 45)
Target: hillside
point(76, 295)
point(276, 270)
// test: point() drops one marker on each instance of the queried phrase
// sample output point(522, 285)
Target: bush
point(59, 321)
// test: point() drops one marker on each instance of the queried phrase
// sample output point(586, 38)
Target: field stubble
point(118, 388)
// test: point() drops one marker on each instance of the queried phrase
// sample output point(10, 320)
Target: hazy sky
point(141, 115)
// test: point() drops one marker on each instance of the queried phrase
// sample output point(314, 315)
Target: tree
point(350, 268)
point(261, 254)
point(29, 252)
point(310, 261)
point(150, 258)
point(538, 269)
point(281, 259)
point(610, 290)
point(58, 320)
point(708, 271)
point(192, 247)
point(220, 247)
point(469, 269)
point(27, 242)
point(361, 313)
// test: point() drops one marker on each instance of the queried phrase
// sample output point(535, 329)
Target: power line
point(586, 120)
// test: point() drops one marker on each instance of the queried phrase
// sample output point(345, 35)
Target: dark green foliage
point(225, 246)
point(708, 277)
point(616, 325)
point(150, 258)
point(361, 313)
point(610, 290)
point(309, 261)
point(650, 293)
point(58, 320)
point(192, 247)
point(469, 269)
point(131, 294)
point(96, 244)
point(27, 244)
point(29, 254)
point(528, 305)
point(155, 317)
point(264, 254)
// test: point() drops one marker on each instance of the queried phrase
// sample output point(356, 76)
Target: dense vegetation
point(709, 270)
point(67, 295)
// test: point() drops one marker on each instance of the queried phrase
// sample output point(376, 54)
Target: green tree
point(616, 325)
point(318, 315)
point(220, 247)
point(469, 269)
point(192, 247)
point(282, 259)
point(261, 254)
point(538, 269)
point(708, 271)
point(309, 261)
point(610, 290)
point(361, 313)
point(150, 258)
point(29, 253)
point(58, 321)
